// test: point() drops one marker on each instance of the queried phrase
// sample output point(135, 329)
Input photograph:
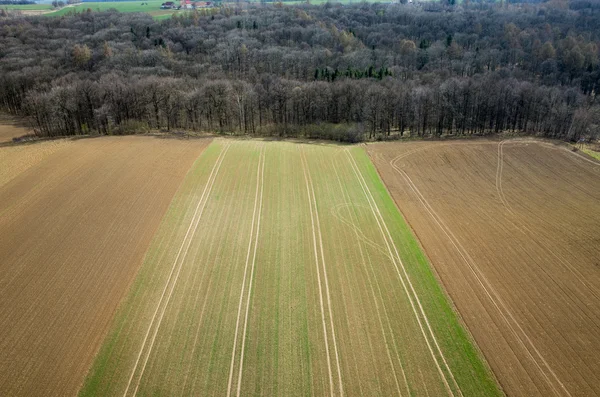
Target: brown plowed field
point(10, 128)
point(74, 228)
point(16, 159)
point(513, 230)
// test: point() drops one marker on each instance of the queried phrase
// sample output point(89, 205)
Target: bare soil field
point(17, 158)
point(513, 231)
point(74, 227)
point(286, 269)
point(11, 128)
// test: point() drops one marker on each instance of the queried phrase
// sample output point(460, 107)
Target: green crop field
point(153, 7)
point(27, 6)
point(286, 269)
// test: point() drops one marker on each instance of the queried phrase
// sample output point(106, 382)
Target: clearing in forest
point(512, 229)
point(76, 218)
point(286, 269)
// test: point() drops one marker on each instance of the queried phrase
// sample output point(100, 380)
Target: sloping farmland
point(17, 158)
point(286, 269)
point(75, 223)
point(10, 128)
point(512, 229)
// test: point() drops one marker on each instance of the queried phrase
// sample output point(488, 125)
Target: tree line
point(354, 72)
point(117, 104)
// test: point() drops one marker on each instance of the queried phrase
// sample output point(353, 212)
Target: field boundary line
point(493, 296)
point(362, 255)
point(312, 220)
point(195, 219)
point(378, 216)
point(595, 162)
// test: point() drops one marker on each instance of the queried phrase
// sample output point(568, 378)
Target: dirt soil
point(17, 158)
point(513, 230)
point(74, 228)
point(11, 127)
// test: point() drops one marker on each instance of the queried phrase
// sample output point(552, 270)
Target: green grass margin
point(450, 330)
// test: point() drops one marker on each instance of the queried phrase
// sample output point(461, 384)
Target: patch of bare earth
point(74, 228)
point(11, 127)
point(17, 158)
point(513, 230)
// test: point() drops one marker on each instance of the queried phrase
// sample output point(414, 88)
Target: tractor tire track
point(260, 206)
point(499, 169)
point(397, 260)
point(494, 297)
point(316, 231)
point(206, 295)
point(360, 237)
point(336, 212)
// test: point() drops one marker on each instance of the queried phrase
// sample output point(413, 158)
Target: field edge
point(443, 288)
point(120, 307)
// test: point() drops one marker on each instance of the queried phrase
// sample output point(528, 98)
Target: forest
point(351, 72)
